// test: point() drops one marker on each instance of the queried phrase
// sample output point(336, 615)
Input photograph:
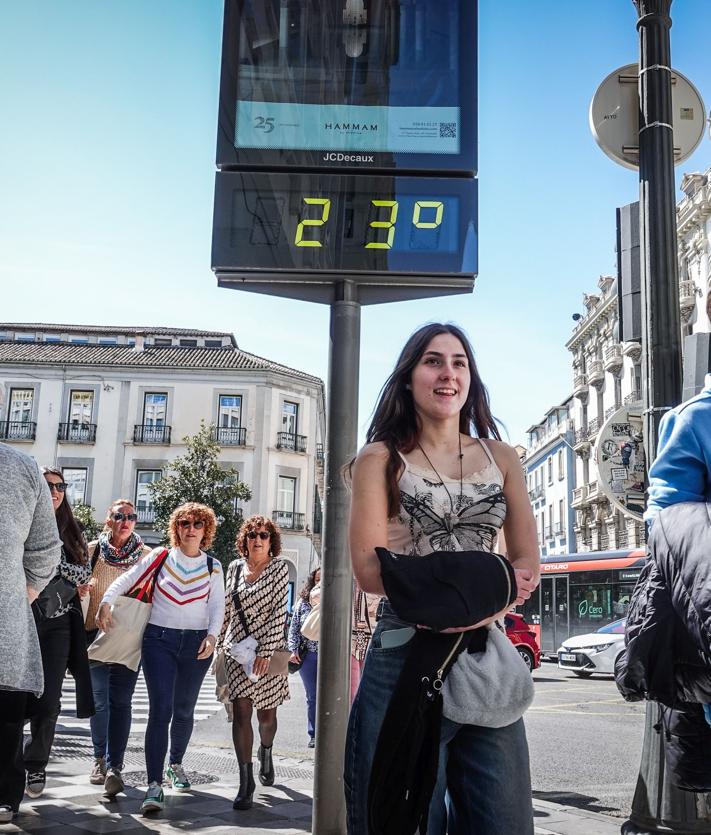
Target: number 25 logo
point(267, 125)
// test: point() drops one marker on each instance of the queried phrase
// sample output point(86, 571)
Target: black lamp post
point(658, 806)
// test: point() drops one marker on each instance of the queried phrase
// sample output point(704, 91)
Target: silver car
point(595, 652)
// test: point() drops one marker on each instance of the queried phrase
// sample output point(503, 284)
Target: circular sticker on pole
point(621, 462)
point(614, 116)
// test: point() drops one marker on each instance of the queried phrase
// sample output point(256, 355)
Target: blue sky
point(107, 141)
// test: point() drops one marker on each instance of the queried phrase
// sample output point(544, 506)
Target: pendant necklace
point(448, 517)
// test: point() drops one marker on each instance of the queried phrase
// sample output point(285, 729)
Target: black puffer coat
point(668, 654)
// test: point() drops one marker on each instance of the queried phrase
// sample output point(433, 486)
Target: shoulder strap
point(95, 555)
point(145, 589)
point(487, 451)
point(236, 601)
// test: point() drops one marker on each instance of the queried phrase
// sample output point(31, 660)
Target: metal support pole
point(333, 687)
point(658, 806)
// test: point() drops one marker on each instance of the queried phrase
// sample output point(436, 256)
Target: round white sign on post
point(621, 462)
point(614, 116)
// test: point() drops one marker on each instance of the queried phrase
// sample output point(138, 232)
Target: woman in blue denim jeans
point(308, 598)
point(186, 617)
point(435, 476)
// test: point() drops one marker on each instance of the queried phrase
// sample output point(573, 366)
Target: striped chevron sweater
point(186, 597)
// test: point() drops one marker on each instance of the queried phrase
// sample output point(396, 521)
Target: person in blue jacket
point(304, 650)
point(681, 472)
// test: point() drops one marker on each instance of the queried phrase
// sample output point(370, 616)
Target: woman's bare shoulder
point(504, 454)
point(376, 451)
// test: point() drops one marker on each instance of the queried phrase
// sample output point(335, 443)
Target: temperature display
point(341, 223)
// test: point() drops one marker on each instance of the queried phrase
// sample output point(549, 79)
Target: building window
point(75, 477)
point(162, 343)
point(81, 407)
point(20, 409)
point(188, 343)
point(561, 465)
point(550, 470)
point(52, 339)
point(155, 407)
point(286, 494)
point(79, 340)
point(213, 343)
point(290, 417)
point(561, 515)
point(24, 337)
point(230, 411)
point(144, 497)
point(108, 340)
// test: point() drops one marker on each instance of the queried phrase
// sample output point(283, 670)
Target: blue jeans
point(308, 672)
point(174, 676)
point(483, 785)
point(113, 686)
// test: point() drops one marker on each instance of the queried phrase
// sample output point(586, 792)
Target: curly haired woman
point(259, 581)
point(187, 613)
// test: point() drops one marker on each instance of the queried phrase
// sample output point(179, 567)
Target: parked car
point(595, 652)
point(524, 639)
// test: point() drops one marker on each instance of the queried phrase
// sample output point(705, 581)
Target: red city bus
point(579, 593)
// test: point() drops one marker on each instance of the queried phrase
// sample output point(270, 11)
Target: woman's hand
point(525, 585)
point(103, 617)
point(260, 666)
point(294, 658)
point(83, 589)
point(206, 647)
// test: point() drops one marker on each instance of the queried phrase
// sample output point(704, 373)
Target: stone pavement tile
point(291, 811)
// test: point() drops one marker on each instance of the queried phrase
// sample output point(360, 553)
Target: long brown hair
point(395, 421)
point(309, 584)
point(69, 531)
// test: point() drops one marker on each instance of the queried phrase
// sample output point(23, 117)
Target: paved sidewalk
point(71, 805)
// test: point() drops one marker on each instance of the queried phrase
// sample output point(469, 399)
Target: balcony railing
point(287, 440)
point(579, 495)
point(319, 453)
point(622, 539)
point(288, 520)
point(145, 517)
point(580, 386)
point(633, 397)
point(230, 435)
point(593, 427)
point(536, 492)
point(593, 490)
point(596, 373)
point(687, 294)
point(610, 411)
point(144, 434)
point(77, 433)
point(18, 430)
point(549, 532)
point(613, 358)
point(559, 529)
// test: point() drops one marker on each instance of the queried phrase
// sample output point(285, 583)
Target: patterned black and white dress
point(264, 604)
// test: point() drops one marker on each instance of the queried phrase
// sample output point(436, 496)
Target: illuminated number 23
point(389, 223)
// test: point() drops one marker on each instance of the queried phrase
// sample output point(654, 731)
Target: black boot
point(266, 766)
point(246, 787)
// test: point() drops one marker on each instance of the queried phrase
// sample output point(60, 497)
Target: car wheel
point(527, 656)
point(583, 673)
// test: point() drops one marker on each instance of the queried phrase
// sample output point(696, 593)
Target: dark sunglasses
point(260, 534)
point(129, 517)
point(59, 486)
point(186, 523)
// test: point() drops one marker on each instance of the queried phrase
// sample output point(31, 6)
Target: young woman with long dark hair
point(435, 476)
point(58, 640)
point(309, 597)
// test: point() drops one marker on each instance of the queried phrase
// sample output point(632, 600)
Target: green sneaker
point(177, 777)
point(153, 801)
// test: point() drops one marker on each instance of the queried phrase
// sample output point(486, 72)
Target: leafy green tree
point(198, 477)
point(84, 514)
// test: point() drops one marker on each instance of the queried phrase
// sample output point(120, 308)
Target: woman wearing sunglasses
point(257, 583)
point(117, 550)
point(58, 619)
point(186, 616)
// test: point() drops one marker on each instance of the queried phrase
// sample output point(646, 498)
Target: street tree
point(84, 514)
point(198, 476)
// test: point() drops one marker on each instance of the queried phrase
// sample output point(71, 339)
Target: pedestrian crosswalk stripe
point(68, 724)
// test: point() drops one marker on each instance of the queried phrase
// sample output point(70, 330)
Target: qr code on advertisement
point(448, 130)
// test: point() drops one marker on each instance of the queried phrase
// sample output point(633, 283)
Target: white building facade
point(550, 472)
point(111, 407)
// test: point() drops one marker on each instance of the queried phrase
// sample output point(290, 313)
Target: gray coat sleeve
point(42, 545)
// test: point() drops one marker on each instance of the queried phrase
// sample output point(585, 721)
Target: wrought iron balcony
point(687, 294)
point(145, 434)
point(287, 520)
point(230, 435)
point(610, 411)
point(77, 433)
point(18, 430)
point(145, 517)
point(294, 443)
point(633, 397)
point(593, 427)
point(559, 529)
point(536, 492)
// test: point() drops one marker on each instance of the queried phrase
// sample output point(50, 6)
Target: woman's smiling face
point(440, 381)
